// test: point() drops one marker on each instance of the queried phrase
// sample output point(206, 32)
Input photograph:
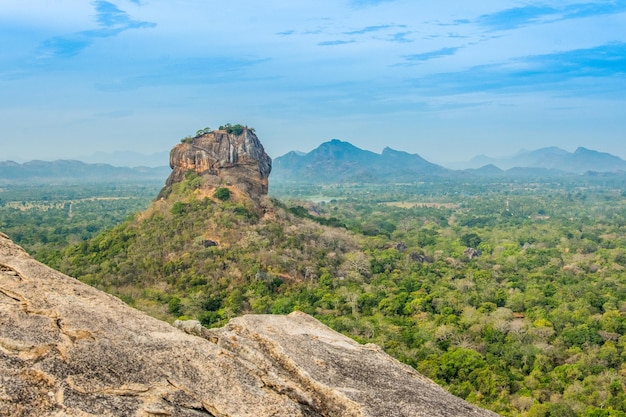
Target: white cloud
point(333, 69)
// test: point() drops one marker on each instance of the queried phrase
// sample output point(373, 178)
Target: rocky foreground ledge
point(67, 349)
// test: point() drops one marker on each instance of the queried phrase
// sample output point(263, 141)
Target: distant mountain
point(334, 161)
point(128, 159)
point(552, 158)
point(75, 171)
point(338, 161)
point(589, 160)
point(486, 170)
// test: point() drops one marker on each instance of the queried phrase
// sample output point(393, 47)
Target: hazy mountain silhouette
point(338, 161)
point(128, 159)
point(75, 171)
point(552, 158)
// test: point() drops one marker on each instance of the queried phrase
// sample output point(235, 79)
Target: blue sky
point(447, 80)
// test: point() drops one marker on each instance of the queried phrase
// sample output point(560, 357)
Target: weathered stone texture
point(224, 158)
point(67, 349)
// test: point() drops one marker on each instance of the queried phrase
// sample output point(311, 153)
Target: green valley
point(531, 323)
point(509, 291)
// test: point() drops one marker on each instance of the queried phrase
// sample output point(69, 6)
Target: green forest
point(510, 294)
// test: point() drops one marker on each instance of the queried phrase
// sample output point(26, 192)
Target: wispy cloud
point(454, 35)
point(532, 14)
point(594, 9)
point(368, 29)
point(64, 46)
point(111, 21)
point(190, 71)
point(427, 56)
point(538, 71)
point(400, 37)
point(515, 17)
point(286, 33)
point(601, 61)
point(335, 42)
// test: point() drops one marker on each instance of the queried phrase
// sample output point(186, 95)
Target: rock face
point(224, 158)
point(67, 349)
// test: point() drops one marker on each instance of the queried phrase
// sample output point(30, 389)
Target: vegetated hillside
point(510, 295)
point(341, 162)
point(200, 254)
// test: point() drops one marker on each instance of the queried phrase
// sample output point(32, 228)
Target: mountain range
point(580, 161)
point(337, 161)
point(76, 171)
point(128, 159)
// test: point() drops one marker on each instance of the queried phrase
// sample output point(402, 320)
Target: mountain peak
point(339, 161)
point(583, 150)
point(340, 144)
point(388, 150)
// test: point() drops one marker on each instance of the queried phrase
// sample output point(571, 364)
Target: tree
point(222, 193)
point(471, 240)
point(233, 129)
point(204, 131)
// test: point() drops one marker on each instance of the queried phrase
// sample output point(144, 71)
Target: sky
point(447, 80)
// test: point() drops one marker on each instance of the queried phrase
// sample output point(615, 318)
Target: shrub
point(222, 193)
point(234, 129)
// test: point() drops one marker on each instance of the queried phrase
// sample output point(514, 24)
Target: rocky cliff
point(224, 159)
point(67, 349)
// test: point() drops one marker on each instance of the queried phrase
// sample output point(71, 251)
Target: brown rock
point(472, 253)
point(67, 349)
point(223, 158)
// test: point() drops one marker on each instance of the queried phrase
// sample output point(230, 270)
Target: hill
point(127, 159)
point(63, 171)
point(339, 162)
point(555, 159)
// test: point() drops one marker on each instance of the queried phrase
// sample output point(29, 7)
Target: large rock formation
point(67, 349)
point(224, 158)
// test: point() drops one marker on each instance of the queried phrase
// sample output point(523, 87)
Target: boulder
point(472, 253)
point(223, 159)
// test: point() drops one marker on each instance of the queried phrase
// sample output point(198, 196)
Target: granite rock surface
point(67, 349)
